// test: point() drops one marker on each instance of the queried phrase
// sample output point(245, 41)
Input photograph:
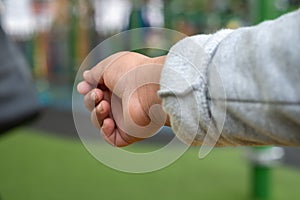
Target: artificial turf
point(35, 166)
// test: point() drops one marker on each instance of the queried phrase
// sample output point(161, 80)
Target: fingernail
point(94, 96)
point(100, 108)
point(86, 72)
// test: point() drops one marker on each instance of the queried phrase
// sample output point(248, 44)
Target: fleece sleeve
point(244, 84)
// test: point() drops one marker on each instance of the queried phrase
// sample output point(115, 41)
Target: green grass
point(36, 166)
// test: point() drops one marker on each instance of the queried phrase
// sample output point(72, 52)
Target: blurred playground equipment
point(56, 35)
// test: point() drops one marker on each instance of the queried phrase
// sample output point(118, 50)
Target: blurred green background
point(46, 160)
point(36, 165)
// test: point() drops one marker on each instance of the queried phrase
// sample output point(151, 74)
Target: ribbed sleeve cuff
point(184, 85)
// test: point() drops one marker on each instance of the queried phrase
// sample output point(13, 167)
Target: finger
point(107, 130)
point(100, 113)
point(92, 99)
point(97, 72)
point(111, 134)
point(87, 75)
point(115, 138)
point(124, 137)
point(83, 87)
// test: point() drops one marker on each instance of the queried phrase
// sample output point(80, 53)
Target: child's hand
point(119, 92)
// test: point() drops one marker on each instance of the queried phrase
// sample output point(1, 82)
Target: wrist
point(148, 93)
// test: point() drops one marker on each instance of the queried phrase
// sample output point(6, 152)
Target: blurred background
point(45, 159)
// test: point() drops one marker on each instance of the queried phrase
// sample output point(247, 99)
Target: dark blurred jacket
point(18, 99)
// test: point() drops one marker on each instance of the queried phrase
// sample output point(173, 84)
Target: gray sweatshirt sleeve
point(239, 87)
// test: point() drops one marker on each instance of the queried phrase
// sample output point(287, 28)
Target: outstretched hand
point(121, 94)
